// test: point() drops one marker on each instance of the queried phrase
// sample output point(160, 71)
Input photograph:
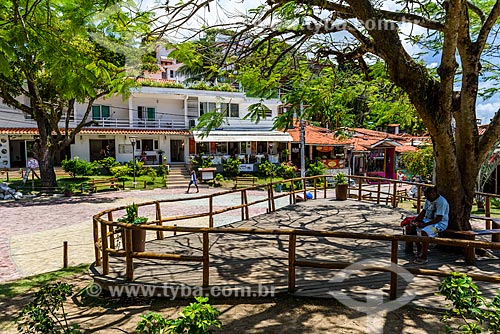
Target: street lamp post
point(271, 168)
point(133, 141)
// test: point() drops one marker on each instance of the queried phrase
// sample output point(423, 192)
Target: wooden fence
point(106, 229)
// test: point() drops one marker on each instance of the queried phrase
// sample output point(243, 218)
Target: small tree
point(45, 314)
point(420, 162)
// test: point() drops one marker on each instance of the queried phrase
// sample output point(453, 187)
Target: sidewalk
point(32, 231)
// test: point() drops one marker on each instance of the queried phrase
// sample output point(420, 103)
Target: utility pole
point(302, 143)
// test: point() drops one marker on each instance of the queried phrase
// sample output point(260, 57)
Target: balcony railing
point(139, 123)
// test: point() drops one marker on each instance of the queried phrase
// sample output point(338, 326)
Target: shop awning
point(242, 136)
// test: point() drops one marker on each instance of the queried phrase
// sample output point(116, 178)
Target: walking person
point(193, 180)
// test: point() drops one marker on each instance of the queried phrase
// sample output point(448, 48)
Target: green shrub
point(108, 163)
point(266, 168)
point(151, 172)
point(287, 170)
point(45, 313)
point(316, 168)
point(231, 167)
point(218, 180)
point(473, 312)
point(121, 171)
point(78, 167)
point(196, 318)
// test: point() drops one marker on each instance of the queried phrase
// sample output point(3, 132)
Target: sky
point(485, 109)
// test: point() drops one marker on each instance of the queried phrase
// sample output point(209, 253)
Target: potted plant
point(139, 235)
point(341, 186)
point(68, 189)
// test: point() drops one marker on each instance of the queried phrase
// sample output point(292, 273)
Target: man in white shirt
point(431, 220)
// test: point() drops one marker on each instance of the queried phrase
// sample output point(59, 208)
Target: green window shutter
point(96, 112)
point(151, 114)
point(105, 111)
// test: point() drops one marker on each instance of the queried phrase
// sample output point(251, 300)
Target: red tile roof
point(362, 139)
point(107, 131)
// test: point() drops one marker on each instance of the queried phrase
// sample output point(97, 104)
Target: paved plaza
point(32, 231)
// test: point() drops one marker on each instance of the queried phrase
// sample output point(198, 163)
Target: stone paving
point(32, 231)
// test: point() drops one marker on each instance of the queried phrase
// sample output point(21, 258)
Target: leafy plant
point(474, 311)
point(420, 162)
point(202, 162)
point(131, 216)
point(340, 179)
point(231, 166)
point(196, 318)
point(495, 203)
point(316, 168)
point(45, 314)
point(152, 323)
point(76, 167)
point(108, 162)
point(286, 170)
point(218, 180)
point(121, 171)
point(267, 169)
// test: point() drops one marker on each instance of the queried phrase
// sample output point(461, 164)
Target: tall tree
point(49, 55)
point(463, 32)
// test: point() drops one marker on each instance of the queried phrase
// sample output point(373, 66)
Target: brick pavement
point(32, 230)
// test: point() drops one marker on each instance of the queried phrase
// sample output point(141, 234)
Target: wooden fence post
point(487, 211)
point(65, 254)
point(394, 276)
point(159, 234)
point(394, 193)
point(128, 252)
point(105, 255)
point(243, 203)
point(419, 199)
point(112, 230)
point(292, 240)
point(245, 196)
point(325, 185)
point(315, 185)
point(378, 191)
point(305, 188)
point(206, 268)
point(97, 252)
point(360, 181)
point(211, 211)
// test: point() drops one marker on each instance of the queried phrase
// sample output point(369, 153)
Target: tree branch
point(486, 28)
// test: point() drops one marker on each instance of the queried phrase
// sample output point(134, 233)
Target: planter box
point(341, 192)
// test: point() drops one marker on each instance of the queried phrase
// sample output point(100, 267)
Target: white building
point(161, 119)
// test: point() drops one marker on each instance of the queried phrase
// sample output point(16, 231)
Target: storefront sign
point(331, 163)
point(245, 168)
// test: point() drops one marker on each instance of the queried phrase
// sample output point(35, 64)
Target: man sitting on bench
point(430, 221)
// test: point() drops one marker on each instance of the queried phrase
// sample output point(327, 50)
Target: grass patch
point(20, 286)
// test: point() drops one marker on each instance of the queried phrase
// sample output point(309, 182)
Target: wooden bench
point(470, 252)
point(245, 181)
point(112, 183)
point(150, 160)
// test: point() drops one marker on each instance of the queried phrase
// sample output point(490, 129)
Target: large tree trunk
point(44, 151)
point(46, 162)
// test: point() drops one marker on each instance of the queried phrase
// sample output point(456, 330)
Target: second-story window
point(230, 109)
point(206, 107)
point(100, 112)
point(146, 113)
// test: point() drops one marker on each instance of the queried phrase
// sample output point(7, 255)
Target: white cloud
point(486, 110)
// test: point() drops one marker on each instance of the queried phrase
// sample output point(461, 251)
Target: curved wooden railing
point(105, 225)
